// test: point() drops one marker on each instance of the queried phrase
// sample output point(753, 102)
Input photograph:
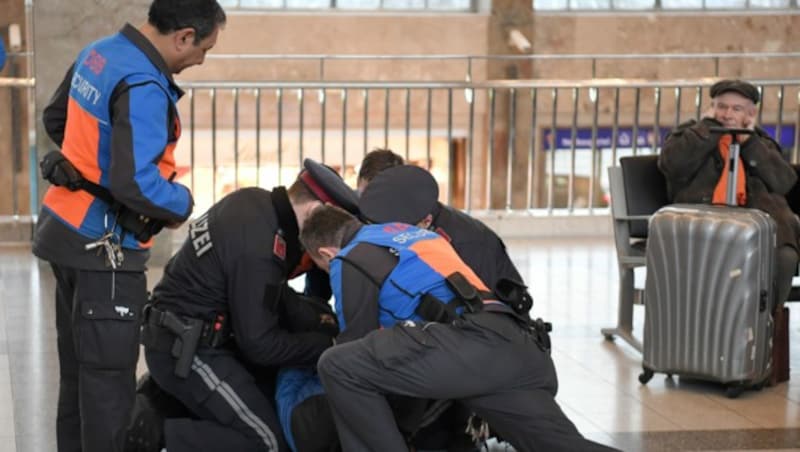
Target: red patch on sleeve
point(441, 232)
point(279, 247)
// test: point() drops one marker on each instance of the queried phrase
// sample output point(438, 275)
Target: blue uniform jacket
point(421, 260)
point(115, 118)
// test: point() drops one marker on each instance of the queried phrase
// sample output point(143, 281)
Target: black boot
point(152, 405)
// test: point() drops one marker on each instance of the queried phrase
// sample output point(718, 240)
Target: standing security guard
point(116, 122)
point(216, 315)
point(441, 336)
point(409, 194)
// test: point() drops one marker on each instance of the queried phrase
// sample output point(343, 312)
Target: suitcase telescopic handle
point(731, 130)
point(733, 163)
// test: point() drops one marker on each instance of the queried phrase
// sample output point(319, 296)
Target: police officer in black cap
point(409, 329)
point(409, 194)
point(219, 324)
point(693, 160)
point(317, 284)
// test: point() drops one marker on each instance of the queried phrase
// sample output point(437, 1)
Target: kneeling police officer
point(213, 333)
point(416, 321)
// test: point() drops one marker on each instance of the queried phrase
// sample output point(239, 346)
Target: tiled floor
point(574, 284)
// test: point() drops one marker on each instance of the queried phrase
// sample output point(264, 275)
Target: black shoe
point(152, 405)
point(145, 431)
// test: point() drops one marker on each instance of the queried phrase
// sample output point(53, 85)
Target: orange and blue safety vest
point(119, 130)
point(425, 260)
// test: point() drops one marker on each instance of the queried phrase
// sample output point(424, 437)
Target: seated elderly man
point(694, 161)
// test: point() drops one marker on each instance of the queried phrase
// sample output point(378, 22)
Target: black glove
point(306, 314)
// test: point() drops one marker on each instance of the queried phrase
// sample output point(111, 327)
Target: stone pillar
point(14, 117)
point(508, 15)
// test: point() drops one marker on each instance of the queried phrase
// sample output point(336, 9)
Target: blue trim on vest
point(409, 280)
point(98, 70)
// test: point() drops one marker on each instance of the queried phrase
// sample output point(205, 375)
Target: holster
point(433, 309)
point(514, 294)
point(181, 336)
point(541, 333)
point(465, 291)
point(59, 171)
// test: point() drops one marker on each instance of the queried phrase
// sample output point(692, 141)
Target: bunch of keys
point(110, 244)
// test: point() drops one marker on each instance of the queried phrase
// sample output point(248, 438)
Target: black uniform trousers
point(97, 320)
point(486, 360)
point(233, 408)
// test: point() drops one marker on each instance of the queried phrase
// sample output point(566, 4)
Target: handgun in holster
point(187, 336)
point(59, 171)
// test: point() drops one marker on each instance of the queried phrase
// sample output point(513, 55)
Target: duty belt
point(181, 336)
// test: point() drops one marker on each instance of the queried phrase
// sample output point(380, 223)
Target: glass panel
point(358, 4)
point(229, 3)
point(590, 4)
point(403, 4)
point(308, 4)
point(634, 4)
point(451, 5)
point(770, 3)
point(725, 4)
point(276, 4)
point(682, 4)
point(545, 5)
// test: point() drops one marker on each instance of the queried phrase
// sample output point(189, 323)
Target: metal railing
point(521, 147)
point(536, 147)
point(321, 67)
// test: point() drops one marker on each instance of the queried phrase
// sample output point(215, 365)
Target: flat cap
point(328, 186)
point(405, 194)
point(736, 86)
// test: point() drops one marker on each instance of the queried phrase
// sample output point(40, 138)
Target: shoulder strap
point(373, 261)
point(287, 222)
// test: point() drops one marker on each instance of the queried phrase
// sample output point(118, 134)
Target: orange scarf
point(720, 191)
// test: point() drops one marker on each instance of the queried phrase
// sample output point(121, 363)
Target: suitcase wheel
point(645, 376)
point(734, 390)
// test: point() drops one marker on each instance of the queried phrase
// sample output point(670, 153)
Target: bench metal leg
point(624, 328)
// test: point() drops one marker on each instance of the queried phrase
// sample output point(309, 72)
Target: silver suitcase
point(708, 295)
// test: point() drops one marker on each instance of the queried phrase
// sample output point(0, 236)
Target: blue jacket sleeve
point(294, 385)
point(139, 138)
point(2, 54)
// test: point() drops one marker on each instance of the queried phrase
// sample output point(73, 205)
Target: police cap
point(328, 186)
point(736, 86)
point(405, 194)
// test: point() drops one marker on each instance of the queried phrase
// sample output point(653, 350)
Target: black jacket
point(692, 165)
point(236, 261)
point(477, 245)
